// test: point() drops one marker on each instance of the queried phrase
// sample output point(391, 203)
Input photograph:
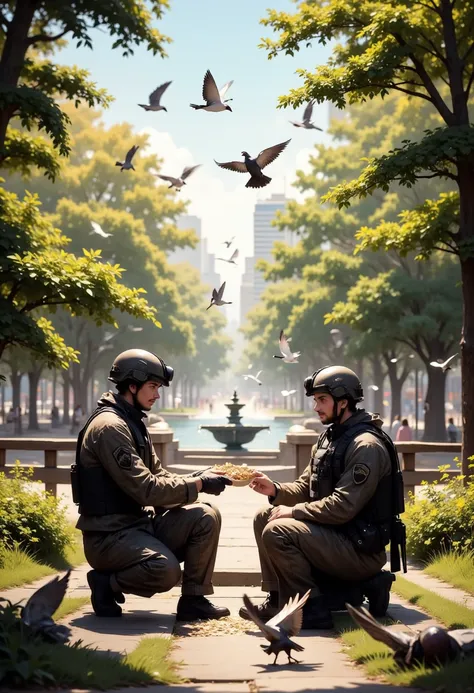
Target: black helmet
point(340, 382)
point(139, 366)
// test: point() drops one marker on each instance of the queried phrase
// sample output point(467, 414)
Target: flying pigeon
point(155, 97)
point(279, 629)
point(287, 355)
point(232, 258)
point(97, 228)
point(395, 359)
point(248, 376)
point(213, 96)
point(179, 182)
point(287, 393)
point(431, 646)
point(40, 607)
point(307, 124)
point(229, 243)
point(374, 387)
point(254, 166)
point(217, 299)
point(134, 329)
point(445, 366)
point(127, 164)
point(337, 337)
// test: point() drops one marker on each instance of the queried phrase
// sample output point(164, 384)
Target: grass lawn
point(456, 569)
point(20, 568)
point(378, 662)
point(449, 613)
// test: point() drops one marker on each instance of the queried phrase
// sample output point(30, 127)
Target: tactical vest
point(93, 489)
point(378, 522)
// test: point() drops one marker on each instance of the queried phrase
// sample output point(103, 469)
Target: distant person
point(76, 419)
point(404, 432)
point(17, 420)
point(452, 431)
point(54, 417)
point(395, 426)
point(211, 406)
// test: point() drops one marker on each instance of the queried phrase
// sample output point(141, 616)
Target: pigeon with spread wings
point(445, 365)
point(178, 182)
point(255, 166)
point(287, 356)
point(306, 123)
point(431, 646)
point(280, 629)
point(232, 259)
point(97, 228)
point(213, 96)
point(155, 97)
point(127, 164)
point(216, 299)
point(37, 614)
point(250, 376)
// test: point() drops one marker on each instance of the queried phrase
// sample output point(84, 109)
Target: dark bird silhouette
point(229, 243)
point(232, 258)
point(306, 123)
point(37, 614)
point(431, 646)
point(127, 164)
point(154, 99)
point(217, 299)
point(255, 166)
point(279, 629)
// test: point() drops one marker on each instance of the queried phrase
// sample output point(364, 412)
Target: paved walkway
point(234, 662)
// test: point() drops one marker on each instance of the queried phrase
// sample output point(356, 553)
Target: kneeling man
point(327, 531)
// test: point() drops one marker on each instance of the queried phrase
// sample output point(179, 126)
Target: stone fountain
point(234, 434)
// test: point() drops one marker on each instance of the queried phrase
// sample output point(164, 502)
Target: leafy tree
point(417, 48)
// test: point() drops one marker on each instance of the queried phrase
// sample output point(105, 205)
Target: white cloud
point(224, 206)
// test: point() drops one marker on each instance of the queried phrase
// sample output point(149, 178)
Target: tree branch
point(45, 38)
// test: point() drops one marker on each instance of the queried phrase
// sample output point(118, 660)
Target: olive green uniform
point(291, 550)
point(143, 553)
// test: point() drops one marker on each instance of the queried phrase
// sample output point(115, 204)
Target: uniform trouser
point(291, 551)
point(145, 559)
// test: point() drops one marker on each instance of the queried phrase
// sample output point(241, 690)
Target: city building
point(199, 257)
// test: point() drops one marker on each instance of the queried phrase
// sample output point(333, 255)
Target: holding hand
point(214, 484)
point(280, 512)
point(261, 483)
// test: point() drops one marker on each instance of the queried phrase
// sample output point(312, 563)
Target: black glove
point(214, 484)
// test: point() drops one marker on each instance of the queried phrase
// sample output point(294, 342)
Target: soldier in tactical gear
point(116, 476)
point(327, 531)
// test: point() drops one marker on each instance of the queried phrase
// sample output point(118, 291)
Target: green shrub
point(442, 519)
point(30, 519)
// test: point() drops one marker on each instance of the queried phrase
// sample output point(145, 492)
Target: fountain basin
point(233, 436)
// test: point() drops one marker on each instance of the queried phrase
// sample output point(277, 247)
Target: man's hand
point(280, 512)
point(261, 483)
point(214, 484)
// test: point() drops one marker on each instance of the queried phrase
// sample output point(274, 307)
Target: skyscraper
point(198, 257)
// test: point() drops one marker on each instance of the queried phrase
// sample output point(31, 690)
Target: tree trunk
point(33, 378)
point(66, 397)
point(15, 379)
point(435, 425)
point(396, 385)
point(377, 372)
point(467, 364)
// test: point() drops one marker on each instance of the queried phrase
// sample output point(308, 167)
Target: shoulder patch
point(123, 457)
point(360, 473)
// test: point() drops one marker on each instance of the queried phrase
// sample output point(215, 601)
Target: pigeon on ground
point(248, 376)
point(431, 646)
point(127, 164)
point(254, 166)
point(97, 228)
point(287, 393)
point(155, 97)
point(445, 365)
point(229, 243)
point(39, 609)
point(217, 299)
point(179, 182)
point(306, 123)
point(232, 258)
point(287, 355)
point(279, 629)
point(213, 96)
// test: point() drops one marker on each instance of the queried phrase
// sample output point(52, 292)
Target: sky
point(222, 37)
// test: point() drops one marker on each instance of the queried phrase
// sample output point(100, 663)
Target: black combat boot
point(266, 610)
point(102, 596)
point(194, 607)
point(377, 591)
point(337, 597)
point(316, 614)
